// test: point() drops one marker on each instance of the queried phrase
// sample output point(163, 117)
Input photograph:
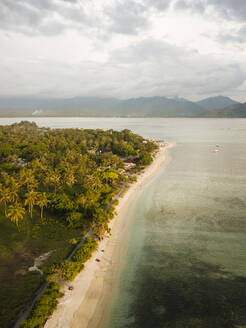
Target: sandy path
point(83, 306)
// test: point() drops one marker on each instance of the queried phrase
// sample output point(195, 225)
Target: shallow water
point(185, 262)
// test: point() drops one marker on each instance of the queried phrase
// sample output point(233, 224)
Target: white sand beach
point(83, 306)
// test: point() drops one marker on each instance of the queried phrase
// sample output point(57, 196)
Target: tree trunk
point(42, 209)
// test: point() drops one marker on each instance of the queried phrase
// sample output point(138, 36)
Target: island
point(59, 189)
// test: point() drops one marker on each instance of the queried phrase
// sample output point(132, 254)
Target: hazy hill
point(52, 106)
point(134, 107)
point(94, 106)
point(216, 102)
point(157, 107)
point(238, 110)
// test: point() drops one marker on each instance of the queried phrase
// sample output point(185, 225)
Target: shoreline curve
point(83, 306)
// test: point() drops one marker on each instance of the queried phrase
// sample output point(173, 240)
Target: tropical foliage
point(56, 185)
point(44, 307)
point(64, 171)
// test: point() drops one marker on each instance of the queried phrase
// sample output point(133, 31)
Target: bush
point(61, 203)
point(65, 270)
point(85, 251)
point(43, 307)
point(144, 158)
point(73, 241)
point(75, 220)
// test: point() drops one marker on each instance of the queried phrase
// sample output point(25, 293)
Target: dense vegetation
point(55, 186)
point(44, 307)
point(67, 270)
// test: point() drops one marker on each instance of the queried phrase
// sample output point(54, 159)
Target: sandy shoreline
point(83, 306)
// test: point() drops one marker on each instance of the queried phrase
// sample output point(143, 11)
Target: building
point(128, 164)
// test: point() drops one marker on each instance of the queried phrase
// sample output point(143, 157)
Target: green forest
point(56, 186)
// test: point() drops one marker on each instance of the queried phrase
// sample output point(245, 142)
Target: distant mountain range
point(216, 102)
point(238, 110)
point(135, 107)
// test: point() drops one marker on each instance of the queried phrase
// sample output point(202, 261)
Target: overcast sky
point(128, 48)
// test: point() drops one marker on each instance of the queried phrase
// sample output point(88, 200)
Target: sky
point(123, 48)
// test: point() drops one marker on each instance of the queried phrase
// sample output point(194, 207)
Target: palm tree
point(22, 176)
point(69, 178)
point(54, 178)
point(5, 198)
point(93, 181)
point(31, 198)
point(38, 165)
point(42, 202)
point(16, 213)
point(14, 189)
point(28, 179)
point(5, 177)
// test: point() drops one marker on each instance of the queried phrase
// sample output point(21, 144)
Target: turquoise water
point(185, 258)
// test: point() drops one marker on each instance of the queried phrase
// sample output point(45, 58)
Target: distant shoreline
point(84, 305)
point(105, 116)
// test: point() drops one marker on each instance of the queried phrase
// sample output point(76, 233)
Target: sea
point(184, 259)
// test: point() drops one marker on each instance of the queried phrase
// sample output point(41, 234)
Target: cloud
point(235, 36)
point(229, 9)
point(14, 14)
point(157, 67)
point(148, 67)
point(230, 12)
point(126, 17)
point(117, 47)
point(195, 5)
point(48, 17)
point(158, 4)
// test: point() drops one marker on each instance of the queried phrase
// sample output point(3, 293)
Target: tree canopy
point(56, 185)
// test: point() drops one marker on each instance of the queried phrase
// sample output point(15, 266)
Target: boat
point(215, 150)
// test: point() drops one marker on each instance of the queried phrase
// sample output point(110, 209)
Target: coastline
point(83, 306)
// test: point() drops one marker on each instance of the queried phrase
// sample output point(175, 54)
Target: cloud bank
point(191, 48)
